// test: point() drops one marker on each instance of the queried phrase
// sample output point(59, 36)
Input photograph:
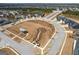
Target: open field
point(68, 47)
point(37, 30)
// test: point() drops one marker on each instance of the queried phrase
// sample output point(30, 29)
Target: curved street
point(59, 38)
point(27, 49)
point(23, 47)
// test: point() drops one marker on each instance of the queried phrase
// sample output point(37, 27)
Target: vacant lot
point(39, 31)
point(68, 48)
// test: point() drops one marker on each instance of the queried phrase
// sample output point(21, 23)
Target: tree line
point(70, 12)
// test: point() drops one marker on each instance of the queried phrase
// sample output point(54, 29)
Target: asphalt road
point(58, 38)
point(52, 15)
point(23, 47)
point(27, 49)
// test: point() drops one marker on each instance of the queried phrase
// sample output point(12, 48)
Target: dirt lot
point(37, 30)
point(68, 48)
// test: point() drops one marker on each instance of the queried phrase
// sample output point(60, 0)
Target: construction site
point(38, 31)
